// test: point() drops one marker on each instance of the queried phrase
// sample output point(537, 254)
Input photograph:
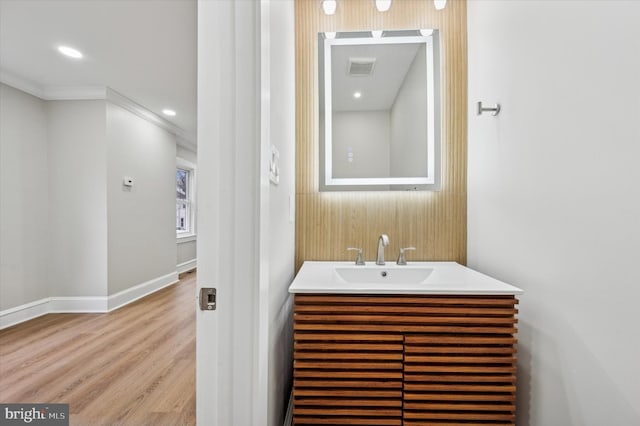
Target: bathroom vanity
point(424, 343)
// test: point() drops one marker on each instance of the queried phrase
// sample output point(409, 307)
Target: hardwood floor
point(132, 366)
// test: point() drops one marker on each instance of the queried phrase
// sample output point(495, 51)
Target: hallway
point(132, 366)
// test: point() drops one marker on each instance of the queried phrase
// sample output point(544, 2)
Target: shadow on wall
point(523, 383)
point(281, 358)
point(573, 372)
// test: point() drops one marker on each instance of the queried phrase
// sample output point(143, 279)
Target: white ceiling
point(380, 88)
point(143, 49)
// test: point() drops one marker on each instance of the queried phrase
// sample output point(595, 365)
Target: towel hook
point(494, 110)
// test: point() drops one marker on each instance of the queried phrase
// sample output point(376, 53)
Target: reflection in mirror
point(379, 111)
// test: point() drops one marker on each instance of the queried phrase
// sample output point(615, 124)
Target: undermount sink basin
point(383, 275)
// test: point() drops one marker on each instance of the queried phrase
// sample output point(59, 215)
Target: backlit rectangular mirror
point(379, 110)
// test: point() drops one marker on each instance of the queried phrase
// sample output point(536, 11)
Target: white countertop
point(445, 278)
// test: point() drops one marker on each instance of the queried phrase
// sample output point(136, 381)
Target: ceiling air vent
point(359, 67)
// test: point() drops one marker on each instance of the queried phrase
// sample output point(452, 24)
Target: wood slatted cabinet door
point(463, 376)
point(404, 359)
point(342, 374)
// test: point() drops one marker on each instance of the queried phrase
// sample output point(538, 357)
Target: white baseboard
point(22, 313)
point(66, 305)
point(187, 266)
point(57, 305)
point(134, 293)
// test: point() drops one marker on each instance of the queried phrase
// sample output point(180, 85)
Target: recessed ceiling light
point(169, 112)
point(70, 52)
point(357, 95)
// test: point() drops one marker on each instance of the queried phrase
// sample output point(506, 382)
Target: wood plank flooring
point(132, 366)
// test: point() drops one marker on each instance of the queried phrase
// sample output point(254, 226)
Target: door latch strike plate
point(208, 299)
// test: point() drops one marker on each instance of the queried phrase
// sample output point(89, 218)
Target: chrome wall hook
point(494, 110)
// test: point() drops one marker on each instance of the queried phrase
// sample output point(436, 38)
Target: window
point(183, 201)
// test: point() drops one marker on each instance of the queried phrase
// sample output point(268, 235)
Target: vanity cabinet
point(404, 359)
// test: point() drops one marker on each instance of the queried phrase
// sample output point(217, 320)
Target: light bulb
point(383, 5)
point(439, 4)
point(329, 6)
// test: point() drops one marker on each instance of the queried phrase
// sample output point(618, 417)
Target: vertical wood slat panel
point(433, 222)
point(436, 359)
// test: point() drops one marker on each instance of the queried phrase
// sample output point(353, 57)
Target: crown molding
point(69, 93)
point(52, 93)
point(183, 137)
point(22, 84)
point(187, 142)
point(122, 101)
point(74, 93)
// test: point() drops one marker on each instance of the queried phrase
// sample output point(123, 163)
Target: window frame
point(190, 168)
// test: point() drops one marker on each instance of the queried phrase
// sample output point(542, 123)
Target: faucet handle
point(401, 259)
point(359, 258)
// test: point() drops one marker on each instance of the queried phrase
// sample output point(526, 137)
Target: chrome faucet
point(383, 241)
point(402, 260)
point(359, 258)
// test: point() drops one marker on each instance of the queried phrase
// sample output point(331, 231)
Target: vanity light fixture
point(383, 5)
point(70, 52)
point(169, 112)
point(329, 6)
point(357, 95)
point(439, 4)
point(426, 32)
point(376, 33)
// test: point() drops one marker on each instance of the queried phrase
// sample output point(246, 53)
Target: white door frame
point(230, 374)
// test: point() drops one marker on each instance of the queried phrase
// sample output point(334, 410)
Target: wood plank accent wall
point(434, 222)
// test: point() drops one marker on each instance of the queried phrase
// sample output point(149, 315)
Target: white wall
point(186, 251)
point(77, 198)
point(186, 154)
point(65, 217)
point(366, 134)
point(553, 197)
point(24, 198)
point(141, 219)
point(408, 150)
point(281, 244)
